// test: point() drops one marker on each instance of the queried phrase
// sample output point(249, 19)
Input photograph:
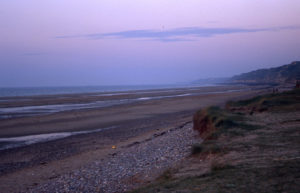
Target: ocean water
point(25, 111)
point(14, 142)
point(34, 91)
point(11, 112)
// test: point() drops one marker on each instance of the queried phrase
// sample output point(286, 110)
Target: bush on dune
point(208, 120)
point(213, 121)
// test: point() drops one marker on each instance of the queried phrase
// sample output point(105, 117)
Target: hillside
point(289, 73)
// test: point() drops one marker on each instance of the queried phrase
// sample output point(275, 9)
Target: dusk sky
point(110, 42)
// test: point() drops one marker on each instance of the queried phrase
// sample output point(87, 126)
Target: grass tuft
point(206, 147)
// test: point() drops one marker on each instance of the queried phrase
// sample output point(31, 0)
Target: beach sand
point(30, 167)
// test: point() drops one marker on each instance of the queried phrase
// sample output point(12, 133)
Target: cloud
point(178, 34)
point(34, 53)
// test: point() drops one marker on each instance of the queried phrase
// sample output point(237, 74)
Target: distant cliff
point(289, 73)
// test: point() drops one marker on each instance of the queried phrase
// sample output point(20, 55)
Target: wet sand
point(131, 122)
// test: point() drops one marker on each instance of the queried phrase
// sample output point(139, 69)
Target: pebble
point(130, 168)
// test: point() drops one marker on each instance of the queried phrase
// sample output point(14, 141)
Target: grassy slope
point(286, 101)
point(245, 153)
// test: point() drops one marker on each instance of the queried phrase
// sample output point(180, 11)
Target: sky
point(136, 42)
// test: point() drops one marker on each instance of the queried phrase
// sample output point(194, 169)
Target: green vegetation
point(222, 119)
point(213, 122)
point(289, 100)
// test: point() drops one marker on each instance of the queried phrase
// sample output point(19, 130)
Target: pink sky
point(92, 42)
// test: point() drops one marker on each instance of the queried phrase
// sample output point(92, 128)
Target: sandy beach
point(141, 126)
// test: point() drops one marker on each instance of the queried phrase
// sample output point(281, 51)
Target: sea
point(35, 91)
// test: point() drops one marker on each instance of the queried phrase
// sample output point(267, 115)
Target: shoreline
point(15, 142)
point(94, 118)
point(34, 110)
point(35, 100)
point(126, 89)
